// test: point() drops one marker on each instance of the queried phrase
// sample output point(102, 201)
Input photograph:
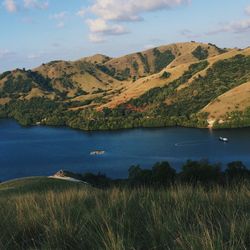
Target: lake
point(41, 151)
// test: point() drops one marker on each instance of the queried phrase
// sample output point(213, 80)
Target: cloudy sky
point(37, 31)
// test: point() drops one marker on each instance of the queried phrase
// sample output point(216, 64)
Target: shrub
point(162, 59)
point(165, 75)
point(140, 176)
point(163, 174)
point(195, 172)
point(135, 66)
point(4, 74)
point(99, 180)
point(237, 170)
point(200, 53)
point(20, 84)
point(144, 60)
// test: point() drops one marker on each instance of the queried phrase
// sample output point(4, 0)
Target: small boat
point(224, 139)
point(97, 152)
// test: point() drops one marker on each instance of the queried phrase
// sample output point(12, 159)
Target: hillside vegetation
point(42, 213)
point(178, 84)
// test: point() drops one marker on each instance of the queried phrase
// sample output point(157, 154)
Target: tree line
point(162, 174)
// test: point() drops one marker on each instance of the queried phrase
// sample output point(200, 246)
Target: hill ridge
point(130, 83)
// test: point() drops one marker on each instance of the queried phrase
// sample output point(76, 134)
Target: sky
point(33, 32)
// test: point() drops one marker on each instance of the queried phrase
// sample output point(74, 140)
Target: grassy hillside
point(176, 84)
point(41, 213)
point(236, 98)
point(156, 59)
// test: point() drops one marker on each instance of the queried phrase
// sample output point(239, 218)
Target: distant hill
point(184, 84)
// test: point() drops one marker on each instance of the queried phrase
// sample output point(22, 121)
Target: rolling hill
point(187, 84)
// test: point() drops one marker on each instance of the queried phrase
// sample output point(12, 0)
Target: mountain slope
point(237, 98)
point(141, 86)
point(167, 85)
point(154, 60)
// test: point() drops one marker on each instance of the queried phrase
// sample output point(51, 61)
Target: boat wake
point(190, 143)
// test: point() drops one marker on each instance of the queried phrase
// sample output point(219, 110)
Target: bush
point(200, 53)
point(162, 59)
point(165, 75)
point(100, 180)
point(163, 174)
point(138, 176)
point(195, 172)
point(4, 74)
point(19, 85)
point(144, 60)
point(237, 170)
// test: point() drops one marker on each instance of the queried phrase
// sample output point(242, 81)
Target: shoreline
point(209, 128)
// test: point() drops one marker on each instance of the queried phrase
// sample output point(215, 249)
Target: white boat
point(97, 152)
point(224, 139)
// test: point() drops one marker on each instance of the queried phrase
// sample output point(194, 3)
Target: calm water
point(43, 150)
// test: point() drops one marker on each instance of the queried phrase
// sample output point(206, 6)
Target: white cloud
point(102, 27)
point(239, 26)
point(234, 27)
point(99, 28)
point(109, 14)
point(81, 12)
point(5, 53)
point(60, 18)
point(96, 38)
point(131, 10)
point(35, 4)
point(10, 5)
point(189, 34)
point(247, 10)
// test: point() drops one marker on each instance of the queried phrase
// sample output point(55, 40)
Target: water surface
point(39, 150)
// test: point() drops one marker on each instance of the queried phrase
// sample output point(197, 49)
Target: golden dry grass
point(36, 92)
point(142, 85)
point(235, 99)
point(118, 92)
point(4, 100)
point(98, 58)
point(184, 58)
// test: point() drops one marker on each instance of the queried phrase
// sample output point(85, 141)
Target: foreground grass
point(40, 213)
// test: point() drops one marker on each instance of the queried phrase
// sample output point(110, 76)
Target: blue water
point(42, 151)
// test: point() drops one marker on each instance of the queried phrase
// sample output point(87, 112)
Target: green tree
point(163, 173)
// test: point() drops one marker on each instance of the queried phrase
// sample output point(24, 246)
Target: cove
point(41, 151)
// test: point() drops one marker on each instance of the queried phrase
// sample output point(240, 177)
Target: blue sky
point(37, 31)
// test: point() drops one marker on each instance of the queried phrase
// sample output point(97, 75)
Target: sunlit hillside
point(156, 86)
